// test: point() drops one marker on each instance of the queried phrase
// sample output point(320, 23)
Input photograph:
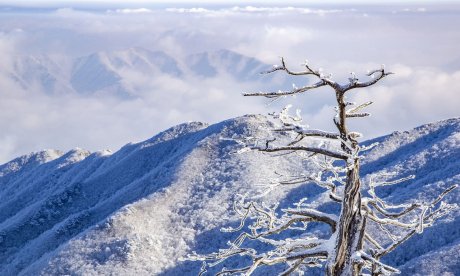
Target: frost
point(143, 209)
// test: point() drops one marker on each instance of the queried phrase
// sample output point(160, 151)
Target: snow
point(142, 209)
point(112, 72)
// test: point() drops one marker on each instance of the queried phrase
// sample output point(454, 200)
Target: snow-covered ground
point(142, 209)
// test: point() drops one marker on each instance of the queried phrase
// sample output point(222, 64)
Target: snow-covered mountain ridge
point(112, 72)
point(141, 209)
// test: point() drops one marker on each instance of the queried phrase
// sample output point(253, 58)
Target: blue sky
point(418, 42)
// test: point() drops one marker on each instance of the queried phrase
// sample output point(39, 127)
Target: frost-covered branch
point(358, 108)
point(283, 67)
point(330, 153)
point(310, 132)
point(270, 224)
point(315, 215)
point(355, 83)
point(320, 252)
point(387, 221)
point(425, 214)
point(387, 214)
point(427, 218)
point(328, 184)
point(379, 203)
point(281, 93)
point(366, 148)
point(323, 80)
point(369, 261)
point(271, 260)
point(265, 223)
point(293, 267)
point(371, 240)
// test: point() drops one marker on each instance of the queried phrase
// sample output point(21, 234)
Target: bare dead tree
point(351, 249)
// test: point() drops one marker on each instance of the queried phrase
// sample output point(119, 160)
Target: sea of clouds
point(418, 43)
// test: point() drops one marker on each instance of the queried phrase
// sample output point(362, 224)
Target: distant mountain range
point(140, 210)
point(112, 72)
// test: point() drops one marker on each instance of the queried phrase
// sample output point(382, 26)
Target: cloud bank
point(418, 43)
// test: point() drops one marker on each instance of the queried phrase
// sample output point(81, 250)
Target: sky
point(418, 41)
point(234, 2)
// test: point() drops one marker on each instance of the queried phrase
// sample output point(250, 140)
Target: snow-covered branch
point(281, 93)
point(271, 260)
point(315, 215)
point(327, 184)
point(323, 80)
point(270, 224)
point(265, 223)
point(354, 83)
point(427, 218)
point(399, 214)
point(379, 204)
point(310, 132)
point(326, 152)
point(358, 108)
point(283, 67)
point(394, 222)
point(369, 261)
point(371, 240)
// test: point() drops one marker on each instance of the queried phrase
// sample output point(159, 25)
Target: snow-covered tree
point(351, 249)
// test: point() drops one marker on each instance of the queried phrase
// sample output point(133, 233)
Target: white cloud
point(284, 10)
point(47, 3)
point(411, 97)
point(130, 11)
point(191, 10)
point(237, 10)
point(415, 46)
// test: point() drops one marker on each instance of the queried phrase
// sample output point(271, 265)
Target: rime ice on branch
point(351, 249)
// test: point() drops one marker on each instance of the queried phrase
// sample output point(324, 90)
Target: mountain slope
point(40, 72)
point(126, 73)
point(243, 68)
point(105, 71)
point(430, 152)
point(143, 208)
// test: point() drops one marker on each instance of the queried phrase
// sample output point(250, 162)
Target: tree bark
point(350, 232)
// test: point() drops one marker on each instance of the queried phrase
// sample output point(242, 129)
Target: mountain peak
point(176, 131)
point(146, 206)
point(29, 160)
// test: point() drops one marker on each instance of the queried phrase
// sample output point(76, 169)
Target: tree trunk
point(350, 232)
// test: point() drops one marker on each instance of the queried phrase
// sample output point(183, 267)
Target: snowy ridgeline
point(139, 211)
point(111, 72)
